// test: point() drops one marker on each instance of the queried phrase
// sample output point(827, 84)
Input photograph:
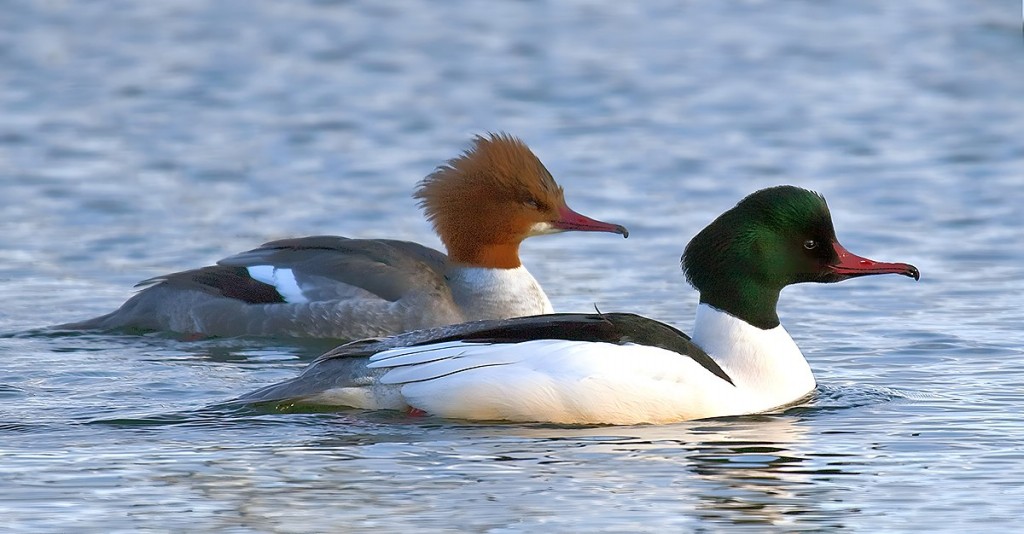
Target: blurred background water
point(140, 138)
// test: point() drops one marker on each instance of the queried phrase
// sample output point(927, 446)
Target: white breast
point(766, 365)
point(483, 293)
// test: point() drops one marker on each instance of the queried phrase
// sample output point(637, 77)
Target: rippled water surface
point(140, 138)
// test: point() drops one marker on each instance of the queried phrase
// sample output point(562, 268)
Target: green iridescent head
point(773, 238)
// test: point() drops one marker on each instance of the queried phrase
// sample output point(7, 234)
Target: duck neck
point(746, 299)
point(765, 364)
point(491, 255)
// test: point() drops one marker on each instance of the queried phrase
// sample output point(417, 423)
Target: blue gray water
point(140, 138)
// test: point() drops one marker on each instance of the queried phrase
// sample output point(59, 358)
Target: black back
point(615, 328)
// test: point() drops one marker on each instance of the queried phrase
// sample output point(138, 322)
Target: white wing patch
point(282, 279)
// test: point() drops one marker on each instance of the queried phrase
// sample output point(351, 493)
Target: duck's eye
point(532, 204)
point(810, 244)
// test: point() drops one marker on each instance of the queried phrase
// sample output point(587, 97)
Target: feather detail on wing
point(443, 360)
point(386, 268)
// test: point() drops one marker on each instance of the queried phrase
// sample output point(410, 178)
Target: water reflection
point(751, 470)
point(754, 471)
point(764, 472)
point(760, 470)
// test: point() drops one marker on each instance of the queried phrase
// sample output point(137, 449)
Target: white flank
point(554, 381)
point(766, 365)
point(283, 281)
point(588, 382)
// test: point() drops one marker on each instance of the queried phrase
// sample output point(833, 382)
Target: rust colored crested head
point(483, 203)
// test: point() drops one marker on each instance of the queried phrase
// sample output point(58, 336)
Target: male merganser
point(616, 368)
point(482, 204)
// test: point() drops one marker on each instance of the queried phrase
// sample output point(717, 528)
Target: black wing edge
point(225, 281)
point(616, 328)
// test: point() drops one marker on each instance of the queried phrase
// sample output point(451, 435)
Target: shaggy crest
point(499, 174)
point(498, 162)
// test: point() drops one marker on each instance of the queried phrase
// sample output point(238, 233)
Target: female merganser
point(616, 368)
point(482, 204)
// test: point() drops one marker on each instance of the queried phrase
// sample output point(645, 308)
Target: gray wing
point(225, 300)
point(324, 265)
